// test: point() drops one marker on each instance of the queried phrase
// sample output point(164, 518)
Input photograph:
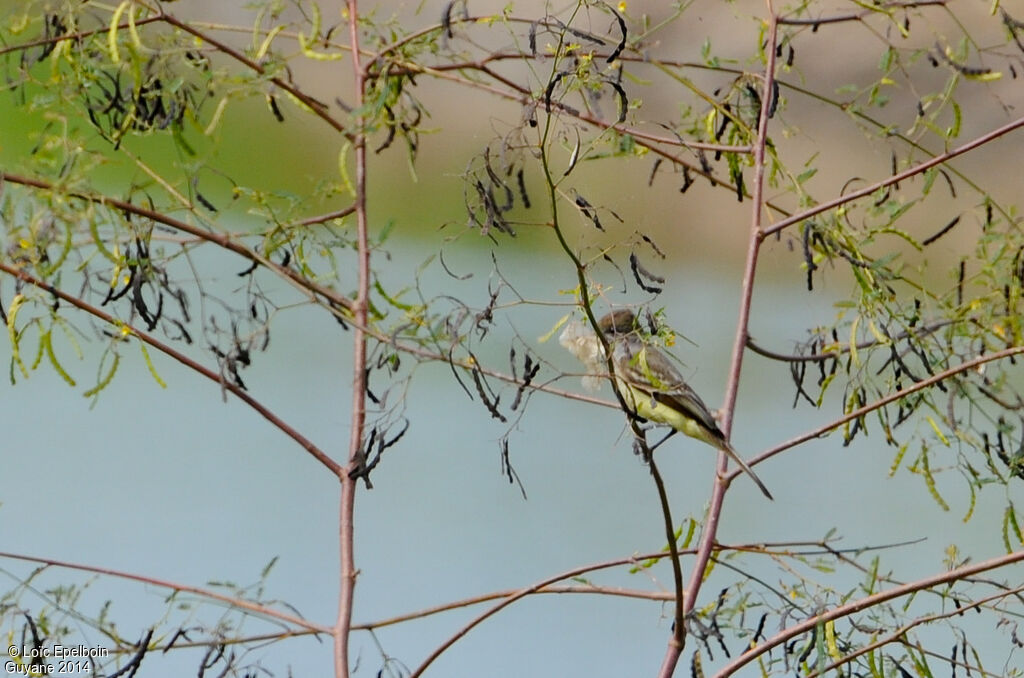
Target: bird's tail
point(734, 455)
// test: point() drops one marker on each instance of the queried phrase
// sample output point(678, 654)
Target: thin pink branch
point(225, 240)
point(857, 16)
point(882, 402)
point(865, 603)
point(575, 572)
point(710, 530)
point(263, 639)
point(318, 109)
point(754, 243)
point(356, 455)
point(771, 549)
point(79, 35)
point(191, 364)
point(255, 608)
point(321, 218)
point(895, 178)
point(621, 128)
point(663, 596)
point(521, 94)
point(898, 634)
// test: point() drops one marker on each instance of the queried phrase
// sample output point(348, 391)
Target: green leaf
point(14, 335)
point(47, 340)
point(953, 131)
point(561, 321)
point(105, 381)
point(150, 365)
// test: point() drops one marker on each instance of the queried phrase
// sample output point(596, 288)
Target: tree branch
point(225, 240)
point(881, 402)
point(191, 364)
point(255, 608)
point(356, 454)
point(865, 603)
point(895, 178)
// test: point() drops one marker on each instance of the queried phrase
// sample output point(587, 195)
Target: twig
point(895, 178)
point(511, 599)
point(79, 35)
point(225, 240)
point(857, 16)
point(901, 631)
point(317, 108)
point(175, 586)
point(865, 603)
point(679, 625)
point(881, 402)
point(235, 390)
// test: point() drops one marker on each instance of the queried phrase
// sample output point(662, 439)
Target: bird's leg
point(640, 447)
point(658, 444)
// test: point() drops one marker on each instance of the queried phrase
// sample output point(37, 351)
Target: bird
point(655, 390)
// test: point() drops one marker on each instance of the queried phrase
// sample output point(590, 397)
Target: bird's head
point(618, 322)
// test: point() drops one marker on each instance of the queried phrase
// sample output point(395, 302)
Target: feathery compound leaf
point(151, 366)
point(47, 341)
point(13, 335)
point(929, 480)
point(105, 381)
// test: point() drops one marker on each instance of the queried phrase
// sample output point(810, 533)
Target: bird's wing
point(684, 399)
point(651, 371)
